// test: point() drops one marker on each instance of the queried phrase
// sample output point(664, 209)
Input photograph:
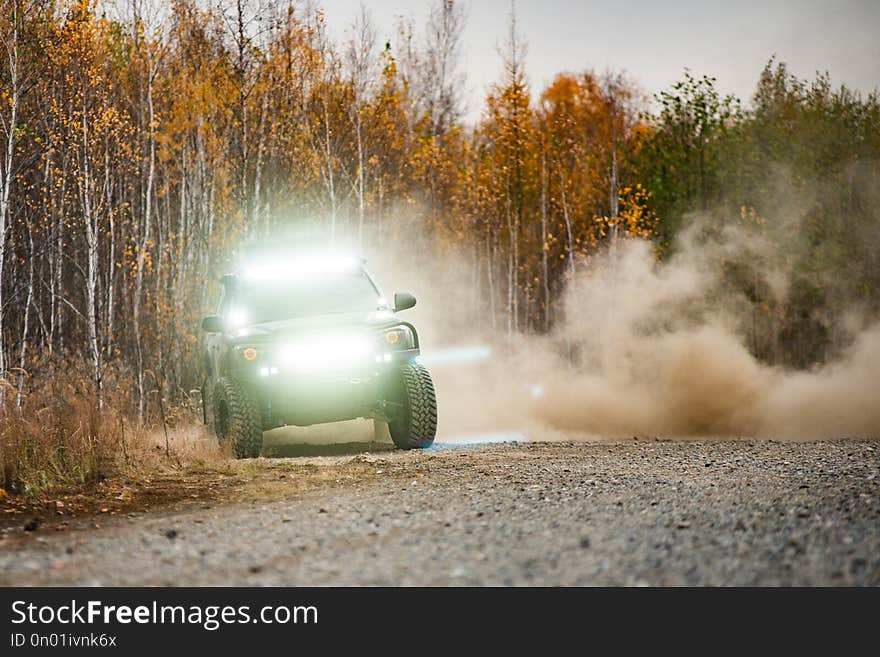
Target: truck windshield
point(349, 292)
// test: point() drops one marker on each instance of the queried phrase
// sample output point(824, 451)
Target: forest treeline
point(141, 141)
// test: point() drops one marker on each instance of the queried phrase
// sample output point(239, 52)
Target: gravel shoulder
point(636, 513)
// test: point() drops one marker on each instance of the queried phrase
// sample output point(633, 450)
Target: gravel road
point(639, 513)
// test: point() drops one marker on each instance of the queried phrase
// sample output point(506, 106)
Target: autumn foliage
point(140, 143)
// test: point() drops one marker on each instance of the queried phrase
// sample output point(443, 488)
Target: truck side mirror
point(212, 324)
point(403, 301)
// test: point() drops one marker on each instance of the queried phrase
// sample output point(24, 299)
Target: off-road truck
point(304, 339)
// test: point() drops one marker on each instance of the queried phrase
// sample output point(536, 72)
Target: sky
point(653, 41)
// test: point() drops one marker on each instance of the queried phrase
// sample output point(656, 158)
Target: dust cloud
point(641, 348)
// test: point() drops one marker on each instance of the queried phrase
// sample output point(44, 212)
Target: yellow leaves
point(749, 216)
point(488, 188)
point(636, 216)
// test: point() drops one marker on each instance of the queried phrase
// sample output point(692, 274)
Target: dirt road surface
point(639, 513)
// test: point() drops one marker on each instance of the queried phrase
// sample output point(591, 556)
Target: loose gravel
point(640, 513)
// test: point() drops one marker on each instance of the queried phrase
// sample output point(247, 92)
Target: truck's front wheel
point(413, 421)
point(237, 419)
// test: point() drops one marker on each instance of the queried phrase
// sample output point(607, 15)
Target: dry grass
point(60, 436)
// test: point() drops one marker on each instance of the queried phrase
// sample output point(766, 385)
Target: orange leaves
point(171, 143)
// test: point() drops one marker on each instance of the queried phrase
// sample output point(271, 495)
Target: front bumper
point(289, 397)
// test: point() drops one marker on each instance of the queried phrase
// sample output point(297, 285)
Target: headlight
point(236, 318)
point(400, 337)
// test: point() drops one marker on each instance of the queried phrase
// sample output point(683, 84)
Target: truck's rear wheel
point(237, 419)
point(413, 421)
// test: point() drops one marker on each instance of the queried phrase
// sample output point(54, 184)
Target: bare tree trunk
point(545, 246)
point(142, 248)
point(528, 308)
point(22, 356)
point(242, 44)
point(46, 200)
point(258, 168)
point(491, 256)
point(111, 260)
point(615, 198)
point(361, 61)
point(380, 210)
point(516, 274)
point(567, 227)
point(511, 268)
point(361, 178)
point(329, 179)
point(476, 297)
point(6, 177)
point(58, 257)
point(91, 234)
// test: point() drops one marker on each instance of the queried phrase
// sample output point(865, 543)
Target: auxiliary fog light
point(383, 358)
point(327, 352)
point(266, 371)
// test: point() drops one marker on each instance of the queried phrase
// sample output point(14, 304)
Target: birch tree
point(361, 63)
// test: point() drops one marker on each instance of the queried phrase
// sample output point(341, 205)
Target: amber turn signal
point(249, 354)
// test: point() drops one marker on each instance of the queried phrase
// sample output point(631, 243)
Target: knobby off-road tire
point(237, 419)
point(414, 424)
